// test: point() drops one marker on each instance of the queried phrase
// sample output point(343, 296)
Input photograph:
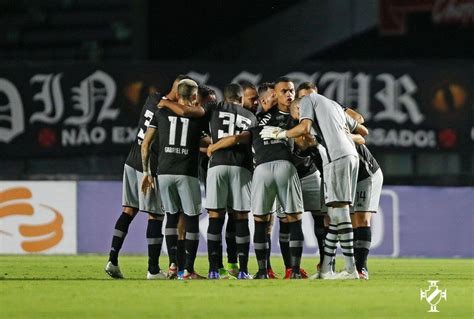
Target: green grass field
point(77, 287)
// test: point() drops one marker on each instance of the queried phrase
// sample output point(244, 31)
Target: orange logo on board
point(37, 237)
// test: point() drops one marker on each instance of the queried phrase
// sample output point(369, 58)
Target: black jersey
point(178, 143)
point(367, 163)
point(226, 119)
point(275, 117)
point(269, 150)
point(134, 158)
point(302, 158)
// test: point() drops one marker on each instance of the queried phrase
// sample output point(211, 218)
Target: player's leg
point(239, 181)
point(310, 186)
point(231, 246)
point(154, 238)
point(284, 240)
point(151, 203)
point(271, 273)
point(367, 203)
point(180, 251)
point(190, 197)
point(242, 239)
point(263, 196)
point(130, 205)
point(214, 241)
point(342, 175)
point(171, 205)
point(291, 198)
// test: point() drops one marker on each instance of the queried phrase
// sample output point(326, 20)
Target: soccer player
point(229, 179)
point(275, 177)
point(266, 98)
point(250, 97)
point(368, 190)
point(340, 173)
point(178, 146)
point(133, 200)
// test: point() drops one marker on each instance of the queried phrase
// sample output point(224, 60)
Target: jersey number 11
point(184, 130)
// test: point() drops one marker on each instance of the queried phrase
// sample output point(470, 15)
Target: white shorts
point(340, 179)
point(310, 186)
point(276, 180)
point(228, 187)
point(181, 193)
point(368, 193)
point(132, 195)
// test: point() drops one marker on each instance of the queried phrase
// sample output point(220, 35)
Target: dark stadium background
point(138, 40)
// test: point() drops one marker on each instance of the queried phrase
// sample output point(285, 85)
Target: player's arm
point(182, 110)
point(147, 180)
point(357, 138)
point(229, 141)
point(355, 115)
point(305, 141)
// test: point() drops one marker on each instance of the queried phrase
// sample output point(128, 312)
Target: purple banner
point(412, 221)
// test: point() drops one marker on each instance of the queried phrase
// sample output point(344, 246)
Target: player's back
point(226, 119)
point(330, 123)
point(134, 158)
point(178, 143)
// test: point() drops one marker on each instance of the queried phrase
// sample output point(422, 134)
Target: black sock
point(261, 245)
point(285, 243)
point(230, 241)
point(192, 241)
point(214, 242)
point(171, 236)
point(242, 238)
point(121, 230)
point(362, 241)
point(269, 251)
point(296, 245)
point(181, 253)
point(320, 233)
point(220, 257)
point(155, 241)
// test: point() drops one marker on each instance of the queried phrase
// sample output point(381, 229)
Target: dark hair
point(265, 86)
point(306, 86)
point(204, 91)
point(246, 85)
point(186, 89)
point(233, 92)
point(282, 79)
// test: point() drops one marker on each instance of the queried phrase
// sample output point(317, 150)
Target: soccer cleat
point(330, 275)
point(243, 275)
point(317, 275)
point(271, 274)
point(113, 271)
point(261, 275)
point(159, 276)
point(233, 269)
point(345, 275)
point(287, 273)
point(225, 274)
point(304, 275)
point(172, 271)
point(213, 275)
point(192, 276)
point(364, 274)
point(296, 275)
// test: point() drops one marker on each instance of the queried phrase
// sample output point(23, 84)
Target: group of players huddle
point(266, 151)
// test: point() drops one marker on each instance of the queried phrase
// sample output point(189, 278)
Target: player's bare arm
point(147, 180)
point(305, 141)
point(182, 110)
point(355, 115)
point(229, 141)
